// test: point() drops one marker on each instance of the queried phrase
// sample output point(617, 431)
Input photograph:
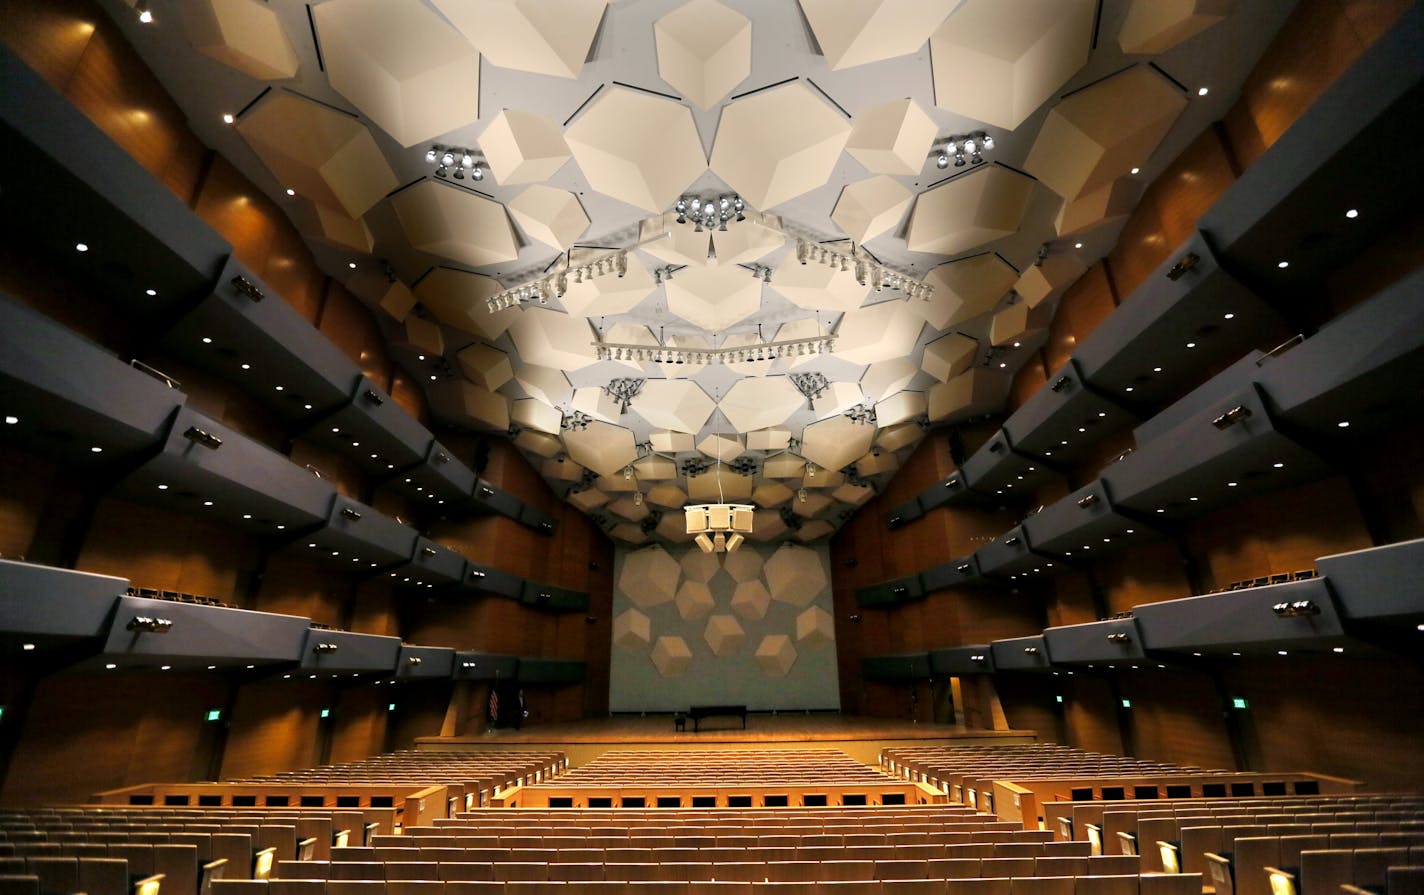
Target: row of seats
point(504, 767)
point(694, 768)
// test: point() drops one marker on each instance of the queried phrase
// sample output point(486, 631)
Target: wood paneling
point(1191, 184)
point(407, 392)
point(25, 481)
point(1028, 380)
point(231, 205)
point(1177, 717)
point(1028, 705)
point(1399, 251)
point(1084, 305)
point(1090, 714)
point(34, 277)
point(374, 609)
point(1391, 479)
point(49, 37)
point(351, 327)
point(1072, 602)
point(1149, 573)
point(293, 585)
point(337, 468)
point(274, 727)
point(359, 722)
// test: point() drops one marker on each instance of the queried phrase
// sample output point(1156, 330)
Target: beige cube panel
point(453, 223)
point(1101, 132)
point(561, 469)
point(545, 383)
point(751, 600)
point(618, 483)
point(535, 414)
point(539, 443)
point(669, 496)
point(815, 286)
point(244, 35)
point(795, 575)
point(637, 148)
point(783, 466)
point(588, 499)
point(324, 155)
point(486, 409)
point(970, 393)
point(749, 240)
point(1046, 281)
point(630, 508)
point(522, 147)
point(892, 438)
point(771, 494)
point(855, 495)
point(870, 208)
point(485, 365)
point(671, 657)
point(1019, 322)
point(721, 447)
point(704, 488)
point(629, 532)
point(879, 332)
point(998, 60)
point(553, 339)
point(882, 457)
point(602, 447)
point(767, 526)
point(653, 468)
point(964, 289)
point(342, 231)
point(704, 50)
point(649, 577)
point(892, 138)
point(835, 442)
point(900, 407)
point(777, 144)
point(632, 630)
point(693, 600)
point(948, 356)
point(699, 566)
point(887, 377)
point(597, 403)
point(855, 32)
point(422, 336)
point(724, 635)
point(760, 403)
point(813, 504)
point(554, 217)
point(396, 60)
point(678, 405)
point(775, 655)
point(743, 565)
point(816, 477)
point(773, 439)
point(612, 294)
point(673, 528)
point(671, 442)
point(396, 299)
point(971, 210)
point(815, 625)
point(1104, 205)
point(1156, 26)
point(837, 399)
point(457, 297)
point(752, 367)
point(805, 328)
point(713, 298)
point(529, 35)
point(814, 529)
point(683, 370)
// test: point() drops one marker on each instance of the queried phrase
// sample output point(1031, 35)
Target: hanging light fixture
point(719, 527)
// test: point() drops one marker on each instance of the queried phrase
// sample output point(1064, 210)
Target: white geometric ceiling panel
point(777, 144)
point(709, 486)
point(669, 496)
point(395, 61)
point(522, 147)
point(854, 495)
point(685, 370)
point(892, 138)
point(899, 407)
point(632, 533)
point(811, 503)
point(750, 600)
point(588, 499)
point(540, 444)
point(1107, 204)
point(966, 288)
point(871, 207)
point(837, 399)
point(597, 403)
point(1019, 322)
point(771, 494)
point(649, 577)
point(602, 447)
point(751, 367)
point(749, 240)
point(340, 230)
point(704, 50)
point(888, 376)
point(773, 439)
point(548, 384)
point(900, 435)
point(678, 405)
point(724, 635)
point(629, 507)
point(783, 466)
point(699, 566)
point(673, 528)
point(878, 333)
point(653, 468)
point(1099, 133)
point(815, 625)
point(836, 442)
point(760, 403)
point(743, 565)
point(713, 298)
point(560, 469)
point(454, 223)
point(529, 35)
point(609, 295)
point(422, 337)
point(637, 148)
point(767, 525)
point(1041, 282)
point(490, 410)
point(531, 413)
point(817, 287)
point(244, 35)
point(948, 356)
point(970, 393)
point(975, 208)
point(1156, 26)
point(721, 446)
point(553, 339)
point(632, 629)
point(795, 575)
point(554, 217)
point(457, 297)
point(618, 483)
point(854, 33)
point(323, 155)
point(694, 600)
point(671, 442)
point(998, 60)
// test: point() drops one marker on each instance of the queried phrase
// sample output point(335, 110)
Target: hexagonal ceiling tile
point(630, 508)
point(532, 413)
point(777, 144)
point(673, 527)
point(538, 443)
point(522, 147)
point(887, 377)
point(548, 384)
point(529, 35)
point(457, 297)
point(694, 600)
point(767, 525)
point(743, 565)
point(984, 204)
point(1019, 322)
point(1096, 208)
point(1042, 282)
point(966, 288)
point(421, 337)
point(750, 600)
point(325, 155)
point(855, 495)
point(336, 228)
point(395, 60)
point(814, 530)
point(671, 442)
point(998, 60)
point(816, 287)
point(619, 482)
point(588, 500)
point(637, 148)
point(602, 447)
point(948, 356)
point(244, 35)
point(699, 566)
point(795, 575)
point(836, 442)
point(670, 496)
point(713, 298)
point(671, 657)
point(554, 217)
point(721, 446)
point(871, 30)
point(837, 399)
point(648, 577)
point(776, 655)
point(704, 50)
point(871, 207)
point(552, 339)
point(678, 405)
point(760, 403)
point(879, 332)
point(881, 457)
point(815, 625)
point(685, 370)
point(454, 223)
point(1153, 27)
point(597, 403)
point(972, 392)
point(773, 439)
point(813, 503)
point(705, 487)
point(770, 494)
point(806, 328)
point(892, 138)
point(747, 368)
point(783, 466)
point(630, 532)
point(653, 468)
point(724, 635)
point(1094, 136)
point(609, 295)
point(899, 407)
point(632, 630)
point(561, 469)
point(482, 407)
point(892, 438)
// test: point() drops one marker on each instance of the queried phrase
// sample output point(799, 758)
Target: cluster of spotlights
point(710, 213)
point(453, 161)
point(965, 150)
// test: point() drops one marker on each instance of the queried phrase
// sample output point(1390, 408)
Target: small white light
point(96, 450)
point(277, 387)
point(145, 17)
point(1002, 366)
point(207, 340)
point(1343, 424)
point(1191, 344)
point(351, 264)
point(420, 357)
point(247, 366)
point(227, 118)
point(11, 420)
point(27, 647)
point(165, 668)
point(291, 192)
point(150, 292)
point(1128, 389)
point(111, 666)
point(207, 503)
point(81, 247)
point(1352, 213)
point(1338, 649)
point(307, 406)
point(1278, 465)
point(162, 487)
point(1077, 245)
point(1231, 484)
point(1281, 652)
point(281, 528)
point(1135, 171)
point(1227, 316)
point(1283, 264)
point(247, 515)
point(1202, 91)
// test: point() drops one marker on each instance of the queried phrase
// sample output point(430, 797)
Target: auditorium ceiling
point(876, 275)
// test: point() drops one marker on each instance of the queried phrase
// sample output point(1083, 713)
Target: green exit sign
point(214, 714)
point(1239, 703)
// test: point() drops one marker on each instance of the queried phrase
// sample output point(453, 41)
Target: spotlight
point(149, 625)
point(227, 118)
point(1232, 417)
point(202, 437)
point(325, 648)
point(145, 15)
point(942, 161)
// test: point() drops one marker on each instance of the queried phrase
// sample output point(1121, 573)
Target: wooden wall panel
point(1090, 714)
point(336, 468)
point(274, 727)
point(358, 727)
point(1028, 380)
point(1177, 717)
point(35, 278)
point(49, 37)
point(1191, 184)
point(508, 469)
point(295, 585)
point(406, 392)
point(25, 481)
point(291, 270)
point(1084, 305)
point(496, 541)
point(1149, 573)
point(1028, 704)
point(242, 215)
point(1072, 602)
point(374, 608)
point(351, 327)
point(1391, 478)
point(395, 505)
point(420, 712)
point(1398, 252)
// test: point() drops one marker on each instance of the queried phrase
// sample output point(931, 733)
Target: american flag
point(494, 704)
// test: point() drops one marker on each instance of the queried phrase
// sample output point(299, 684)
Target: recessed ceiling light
point(1338, 649)
point(1131, 530)
point(1352, 213)
point(420, 357)
point(247, 515)
point(1128, 389)
point(281, 528)
point(307, 406)
point(150, 292)
point(1282, 264)
point(1231, 484)
point(207, 341)
point(1135, 171)
point(1191, 498)
point(247, 366)
point(291, 192)
point(1278, 465)
point(1227, 316)
point(81, 247)
point(277, 387)
point(1343, 424)
point(111, 666)
point(432, 377)
point(1077, 245)
point(1203, 91)
point(165, 668)
point(1281, 652)
point(11, 420)
point(1002, 366)
point(1191, 344)
point(207, 503)
point(96, 449)
point(351, 264)
point(1017, 344)
point(213, 667)
point(227, 118)
point(162, 487)
point(27, 647)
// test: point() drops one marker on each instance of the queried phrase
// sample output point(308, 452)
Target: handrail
point(1282, 348)
point(156, 374)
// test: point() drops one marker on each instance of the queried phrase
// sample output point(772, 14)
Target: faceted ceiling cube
point(1096, 135)
point(561, 469)
point(882, 458)
point(522, 147)
point(948, 356)
point(687, 342)
point(892, 138)
point(1018, 322)
point(855, 495)
point(637, 148)
point(694, 600)
point(813, 504)
point(1156, 26)
point(815, 626)
point(773, 439)
point(588, 499)
point(671, 657)
point(631, 532)
point(648, 577)
point(871, 207)
point(750, 600)
point(454, 223)
point(721, 447)
point(767, 525)
point(999, 60)
point(794, 575)
point(602, 447)
point(324, 155)
point(535, 414)
point(970, 393)
point(805, 328)
point(776, 655)
point(743, 565)
point(783, 466)
point(704, 50)
point(975, 208)
point(713, 298)
point(421, 336)
point(597, 296)
point(1040, 282)
point(678, 405)
point(673, 527)
point(554, 217)
point(457, 297)
point(1104, 205)
point(671, 442)
point(395, 61)
point(777, 144)
point(632, 629)
point(627, 507)
point(837, 399)
point(816, 286)
point(548, 384)
point(771, 494)
point(879, 332)
point(395, 298)
point(672, 497)
point(898, 436)
point(813, 529)
point(760, 403)
point(488, 409)
point(899, 407)
point(699, 566)
point(705, 488)
point(964, 289)
point(529, 35)
point(244, 35)
point(539, 443)
point(888, 376)
point(724, 635)
point(749, 240)
point(340, 230)
point(861, 31)
point(552, 339)
point(747, 368)
point(653, 468)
